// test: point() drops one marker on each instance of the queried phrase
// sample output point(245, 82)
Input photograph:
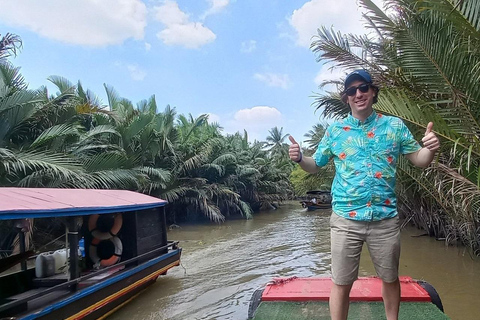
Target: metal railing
point(74, 282)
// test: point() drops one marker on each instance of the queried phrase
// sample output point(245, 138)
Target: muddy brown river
point(222, 265)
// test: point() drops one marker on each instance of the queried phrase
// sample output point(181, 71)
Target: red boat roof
point(317, 288)
point(16, 203)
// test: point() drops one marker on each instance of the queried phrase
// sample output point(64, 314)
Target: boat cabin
point(116, 246)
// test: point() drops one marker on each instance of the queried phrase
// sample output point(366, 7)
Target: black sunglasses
point(353, 90)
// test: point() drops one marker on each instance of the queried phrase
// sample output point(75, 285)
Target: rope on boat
point(277, 281)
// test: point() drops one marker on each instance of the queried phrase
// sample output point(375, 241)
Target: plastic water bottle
point(81, 247)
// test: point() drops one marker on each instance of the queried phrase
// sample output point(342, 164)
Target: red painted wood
point(317, 288)
point(18, 199)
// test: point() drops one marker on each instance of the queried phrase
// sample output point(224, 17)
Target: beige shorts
point(347, 238)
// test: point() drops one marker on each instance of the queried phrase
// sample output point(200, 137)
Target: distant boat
point(307, 298)
point(125, 249)
point(317, 199)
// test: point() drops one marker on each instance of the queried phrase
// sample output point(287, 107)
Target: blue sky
point(247, 63)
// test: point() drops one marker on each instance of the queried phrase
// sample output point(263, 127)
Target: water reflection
point(223, 265)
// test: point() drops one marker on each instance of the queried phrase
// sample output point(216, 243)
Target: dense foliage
point(70, 140)
point(426, 57)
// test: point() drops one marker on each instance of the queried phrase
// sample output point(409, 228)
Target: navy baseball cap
point(359, 74)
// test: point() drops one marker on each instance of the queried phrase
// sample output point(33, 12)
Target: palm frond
point(55, 132)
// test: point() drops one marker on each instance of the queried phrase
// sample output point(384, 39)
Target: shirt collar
point(354, 121)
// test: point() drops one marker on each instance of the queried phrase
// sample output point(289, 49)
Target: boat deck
point(318, 288)
point(318, 310)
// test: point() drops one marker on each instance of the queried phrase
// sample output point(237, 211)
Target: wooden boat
point(307, 298)
point(121, 258)
point(317, 199)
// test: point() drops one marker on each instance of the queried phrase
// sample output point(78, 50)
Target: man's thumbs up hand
point(429, 128)
point(430, 140)
point(294, 150)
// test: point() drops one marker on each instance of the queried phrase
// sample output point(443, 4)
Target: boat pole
point(21, 238)
point(73, 246)
point(164, 226)
point(22, 226)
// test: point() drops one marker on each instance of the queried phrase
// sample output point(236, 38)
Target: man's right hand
point(294, 150)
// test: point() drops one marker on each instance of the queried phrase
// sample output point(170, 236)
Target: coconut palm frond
point(155, 173)
point(218, 169)
point(10, 77)
point(247, 211)
point(64, 85)
point(247, 171)
point(82, 152)
point(226, 158)
point(330, 106)
point(31, 161)
point(10, 44)
point(211, 211)
point(100, 130)
point(55, 132)
point(175, 194)
point(125, 179)
point(105, 161)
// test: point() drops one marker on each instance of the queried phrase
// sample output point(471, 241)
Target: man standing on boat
point(365, 147)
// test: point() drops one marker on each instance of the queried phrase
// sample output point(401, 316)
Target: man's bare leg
point(391, 299)
point(339, 301)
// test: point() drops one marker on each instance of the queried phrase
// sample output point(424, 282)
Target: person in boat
point(314, 200)
point(365, 147)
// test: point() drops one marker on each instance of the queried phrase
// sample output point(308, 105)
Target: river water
point(222, 265)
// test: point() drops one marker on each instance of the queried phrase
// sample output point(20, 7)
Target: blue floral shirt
point(365, 156)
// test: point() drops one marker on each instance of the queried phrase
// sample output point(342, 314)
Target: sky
point(246, 63)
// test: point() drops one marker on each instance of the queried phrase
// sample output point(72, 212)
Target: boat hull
point(307, 298)
point(315, 206)
point(101, 299)
point(317, 199)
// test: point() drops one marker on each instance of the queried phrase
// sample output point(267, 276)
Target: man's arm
point(423, 157)
point(307, 163)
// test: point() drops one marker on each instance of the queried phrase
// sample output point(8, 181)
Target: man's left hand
point(430, 140)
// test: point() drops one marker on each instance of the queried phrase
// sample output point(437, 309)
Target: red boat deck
point(364, 289)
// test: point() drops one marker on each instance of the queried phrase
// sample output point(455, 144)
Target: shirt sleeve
point(324, 152)
point(408, 142)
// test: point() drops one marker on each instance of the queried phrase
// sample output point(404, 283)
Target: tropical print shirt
point(365, 156)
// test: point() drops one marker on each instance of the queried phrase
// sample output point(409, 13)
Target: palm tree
point(70, 139)
point(426, 58)
point(276, 145)
point(314, 136)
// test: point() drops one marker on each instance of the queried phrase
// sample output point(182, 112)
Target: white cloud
point(257, 121)
point(191, 35)
point(343, 15)
point(148, 46)
point(79, 22)
point(137, 73)
point(170, 14)
point(273, 79)
point(216, 6)
point(258, 115)
point(248, 46)
point(179, 29)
